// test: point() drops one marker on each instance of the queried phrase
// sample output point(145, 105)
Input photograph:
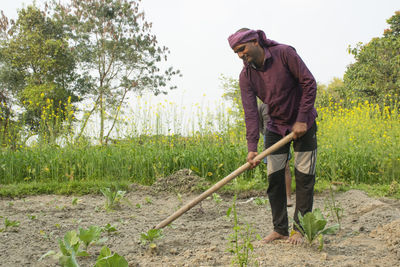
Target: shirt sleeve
point(251, 118)
point(306, 80)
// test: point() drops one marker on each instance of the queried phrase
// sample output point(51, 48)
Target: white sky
point(196, 33)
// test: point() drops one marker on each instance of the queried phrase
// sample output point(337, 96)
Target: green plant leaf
point(331, 230)
point(104, 252)
point(92, 234)
point(114, 260)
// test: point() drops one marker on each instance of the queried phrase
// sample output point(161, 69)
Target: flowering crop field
point(360, 144)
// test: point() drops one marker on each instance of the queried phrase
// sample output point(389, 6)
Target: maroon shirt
point(285, 84)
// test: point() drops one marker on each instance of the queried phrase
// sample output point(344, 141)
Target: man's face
point(247, 51)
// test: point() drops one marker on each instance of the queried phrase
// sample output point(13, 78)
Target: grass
point(359, 146)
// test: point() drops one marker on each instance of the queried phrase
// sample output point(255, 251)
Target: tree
point(37, 67)
point(376, 72)
point(116, 48)
point(333, 92)
point(232, 95)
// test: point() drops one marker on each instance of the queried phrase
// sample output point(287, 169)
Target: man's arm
point(251, 118)
point(308, 84)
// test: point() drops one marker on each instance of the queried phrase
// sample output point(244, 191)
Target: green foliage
point(109, 229)
point(150, 236)
point(312, 226)
point(240, 241)
point(69, 248)
point(217, 198)
point(376, 72)
point(333, 207)
point(232, 95)
point(114, 197)
point(37, 65)
point(9, 223)
point(260, 201)
point(90, 235)
point(107, 259)
point(115, 46)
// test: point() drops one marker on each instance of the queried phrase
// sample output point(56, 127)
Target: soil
point(369, 236)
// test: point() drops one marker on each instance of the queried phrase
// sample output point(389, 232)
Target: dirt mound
point(390, 233)
point(366, 213)
point(183, 181)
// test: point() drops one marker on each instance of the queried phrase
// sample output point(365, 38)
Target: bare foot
point(289, 202)
point(273, 236)
point(295, 238)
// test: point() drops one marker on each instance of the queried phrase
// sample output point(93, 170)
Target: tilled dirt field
point(370, 234)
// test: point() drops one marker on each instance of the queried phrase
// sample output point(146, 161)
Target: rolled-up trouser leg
point(305, 152)
point(276, 163)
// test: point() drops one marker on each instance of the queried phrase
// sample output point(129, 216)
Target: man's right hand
point(250, 159)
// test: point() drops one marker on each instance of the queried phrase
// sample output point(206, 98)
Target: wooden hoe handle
point(224, 181)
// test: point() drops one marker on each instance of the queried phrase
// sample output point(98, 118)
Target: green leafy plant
point(217, 198)
point(109, 229)
point(69, 250)
point(8, 223)
point(114, 197)
point(240, 241)
point(90, 235)
point(151, 236)
point(148, 200)
point(75, 201)
point(312, 226)
point(108, 259)
point(260, 201)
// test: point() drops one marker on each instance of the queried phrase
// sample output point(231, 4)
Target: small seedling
point(138, 206)
point(75, 201)
point(8, 223)
point(217, 198)
point(260, 201)
point(114, 197)
point(150, 237)
point(240, 241)
point(32, 217)
point(148, 200)
point(106, 259)
point(90, 235)
point(312, 226)
point(109, 229)
point(69, 250)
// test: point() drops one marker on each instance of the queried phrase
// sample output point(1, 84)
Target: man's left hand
point(299, 129)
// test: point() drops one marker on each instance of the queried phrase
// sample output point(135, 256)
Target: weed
point(240, 241)
point(312, 226)
point(260, 201)
point(109, 229)
point(32, 217)
point(8, 223)
point(75, 201)
point(148, 200)
point(334, 208)
point(217, 198)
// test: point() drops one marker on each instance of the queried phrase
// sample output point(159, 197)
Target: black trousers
point(305, 154)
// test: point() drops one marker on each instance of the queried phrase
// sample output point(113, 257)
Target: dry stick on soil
point(224, 181)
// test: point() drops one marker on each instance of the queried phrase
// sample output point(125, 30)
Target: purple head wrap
point(247, 36)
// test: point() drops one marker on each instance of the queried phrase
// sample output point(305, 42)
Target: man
point(264, 118)
point(276, 74)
